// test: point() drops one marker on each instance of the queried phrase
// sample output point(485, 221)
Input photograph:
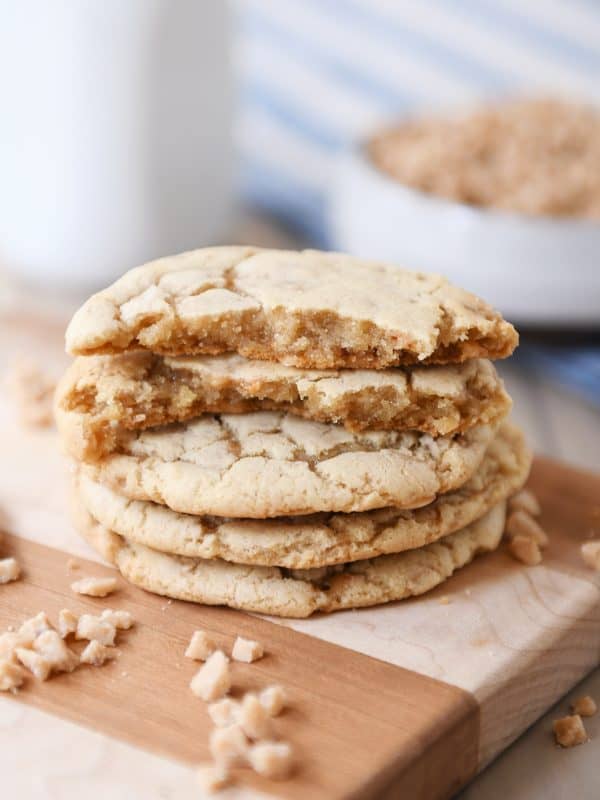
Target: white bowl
point(537, 270)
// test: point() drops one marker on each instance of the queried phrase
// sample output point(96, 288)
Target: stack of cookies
point(288, 432)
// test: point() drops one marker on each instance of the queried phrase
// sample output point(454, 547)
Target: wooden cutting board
point(406, 700)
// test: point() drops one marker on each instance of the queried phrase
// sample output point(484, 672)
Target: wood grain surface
point(360, 727)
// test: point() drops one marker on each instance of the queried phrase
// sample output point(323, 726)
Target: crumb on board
point(122, 620)
point(590, 552)
point(228, 746)
point(224, 712)
point(444, 600)
point(33, 627)
point(32, 391)
point(569, 731)
point(42, 649)
point(97, 654)
point(525, 500)
point(212, 777)
point(584, 706)
point(254, 719)
point(72, 565)
point(51, 646)
point(520, 523)
point(273, 699)
point(67, 622)
point(525, 550)
point(246, 650)
point(201, 646)
point(213, 680)
point(11, 676)
point(271, 759)
point(244, 732)
point(49, 654)
point(95, 587)
point(9, 570)
point(34, 662)
point(91, 627)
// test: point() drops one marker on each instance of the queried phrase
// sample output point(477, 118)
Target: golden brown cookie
point(309, 309)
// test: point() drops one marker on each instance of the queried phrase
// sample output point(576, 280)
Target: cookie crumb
point(525, 550)
point(201, 646)
point(32, 391)
point(97, 654)
point(50, 645)
point(273, 700)
point(520, 523)
point(211, 777)
point(122, 620)
point(72, 565)
point(32, 628)
point(444, 600)
point(49, 654)
point(254, 718)
point(569, 731)
point(11, 676)
point(212, 680)
point(246, 650)
point(91, 627)
point(590, 552)
point(525, 500)
point(67, 622)
point(9, 570)
point(224, 712)
point(584, 706)
point(228, 746)
point(271, 759)
point(95, 587)
point(34, 662)
point(8, 644)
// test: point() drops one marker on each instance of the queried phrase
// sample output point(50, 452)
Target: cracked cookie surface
point(269, 464)
point(101, 395)
point(296, 593)
point(306, 309)
point(320, 539)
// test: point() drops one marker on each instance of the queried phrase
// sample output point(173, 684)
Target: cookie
point(307, 309)
point(320, 539)
point(101, 395)
point(296, 593)
point(268, 464)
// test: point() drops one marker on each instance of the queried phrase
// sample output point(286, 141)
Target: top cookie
point(307, 309)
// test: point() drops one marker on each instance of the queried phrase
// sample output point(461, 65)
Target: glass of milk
point(115, 134)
